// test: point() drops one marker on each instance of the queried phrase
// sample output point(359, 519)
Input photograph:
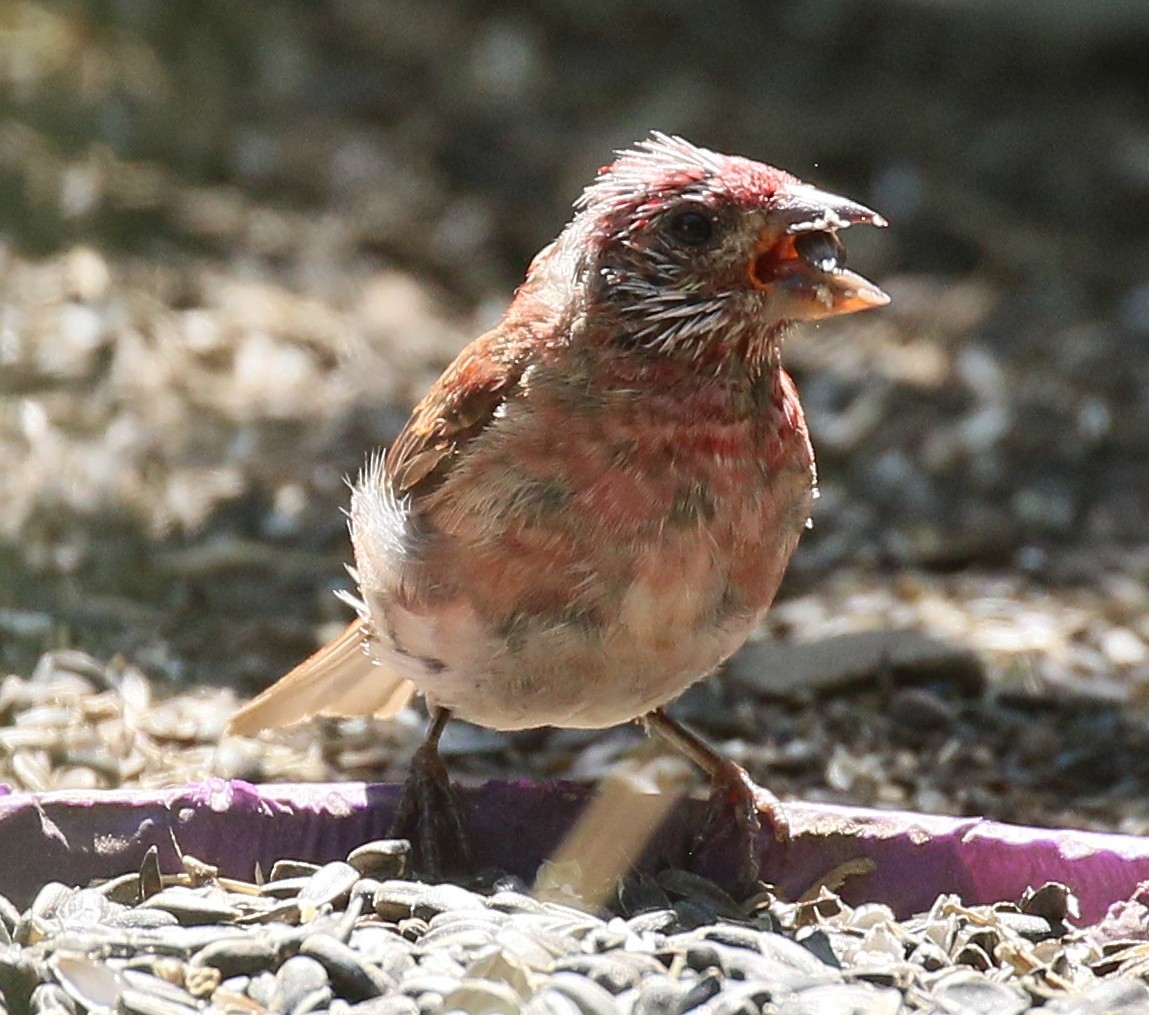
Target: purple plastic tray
point(75, 837)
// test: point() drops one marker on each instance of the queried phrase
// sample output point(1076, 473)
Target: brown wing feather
point(339, 679)
point(459, 406)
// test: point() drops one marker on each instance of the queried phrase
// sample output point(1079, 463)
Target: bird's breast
point(582, 567)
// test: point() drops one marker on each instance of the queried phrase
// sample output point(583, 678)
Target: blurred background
point(238, 241)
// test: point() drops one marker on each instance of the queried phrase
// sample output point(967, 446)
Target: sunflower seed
point(351, 977)
point(330, 885)
point(383, 858)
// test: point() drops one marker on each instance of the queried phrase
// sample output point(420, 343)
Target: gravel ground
point(238, 244)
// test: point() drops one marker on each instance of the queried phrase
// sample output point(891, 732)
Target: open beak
point(806, 265)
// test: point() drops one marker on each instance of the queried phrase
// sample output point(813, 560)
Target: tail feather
point(339, 679)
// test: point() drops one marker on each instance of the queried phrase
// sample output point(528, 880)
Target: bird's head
point(685, 251)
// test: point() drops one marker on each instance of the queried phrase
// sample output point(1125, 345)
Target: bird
point(594, 505)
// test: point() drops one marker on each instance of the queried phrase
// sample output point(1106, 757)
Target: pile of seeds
point(359, 936)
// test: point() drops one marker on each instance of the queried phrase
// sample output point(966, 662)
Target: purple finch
point(594, 505)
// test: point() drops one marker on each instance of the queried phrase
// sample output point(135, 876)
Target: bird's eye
point(691, 228)
point(821, 250)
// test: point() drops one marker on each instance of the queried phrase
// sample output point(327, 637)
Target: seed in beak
point(821, 250)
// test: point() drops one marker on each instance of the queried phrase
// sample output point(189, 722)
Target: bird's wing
point(459, 406)
point(339, 679)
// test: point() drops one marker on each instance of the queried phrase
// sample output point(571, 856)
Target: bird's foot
point(431, 816)
point(729, 847)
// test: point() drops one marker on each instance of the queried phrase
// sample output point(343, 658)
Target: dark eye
point(691, 228)
point(821, 250)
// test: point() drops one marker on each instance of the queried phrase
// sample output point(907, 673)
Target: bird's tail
point(339, 679)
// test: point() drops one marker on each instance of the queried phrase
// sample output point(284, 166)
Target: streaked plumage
point(594, 505)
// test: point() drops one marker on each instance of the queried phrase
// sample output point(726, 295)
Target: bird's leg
point(733, 813)
point(430, 813)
